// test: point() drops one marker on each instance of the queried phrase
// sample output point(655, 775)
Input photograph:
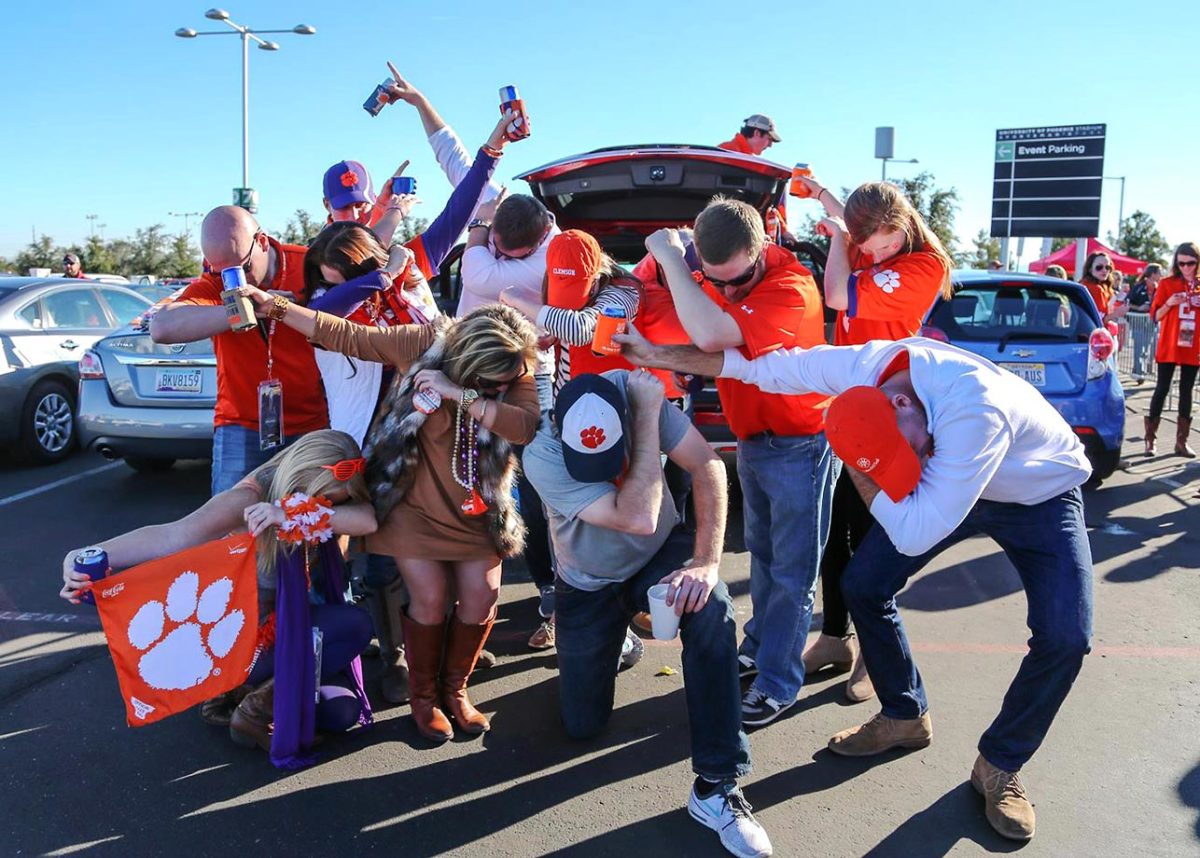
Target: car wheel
point(48, 423)
point(148, 464)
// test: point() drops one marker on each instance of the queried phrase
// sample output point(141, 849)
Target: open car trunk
point(621, 194)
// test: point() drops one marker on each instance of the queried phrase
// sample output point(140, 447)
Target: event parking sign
point(1047, 181)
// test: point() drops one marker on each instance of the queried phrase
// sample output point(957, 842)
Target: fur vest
point(393, 456)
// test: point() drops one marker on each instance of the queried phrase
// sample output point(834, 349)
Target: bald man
point(230, 237)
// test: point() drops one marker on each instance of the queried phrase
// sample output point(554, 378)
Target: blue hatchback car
point(1048, 332)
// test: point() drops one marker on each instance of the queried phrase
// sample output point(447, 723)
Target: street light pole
point(244, 196)
point(1121, 206)
point(898, 161)
point(187, 216)
point(92, 223)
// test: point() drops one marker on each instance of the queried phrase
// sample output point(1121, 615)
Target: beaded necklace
point(464, 459)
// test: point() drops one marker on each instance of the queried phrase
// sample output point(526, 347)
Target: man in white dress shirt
point(944, 445)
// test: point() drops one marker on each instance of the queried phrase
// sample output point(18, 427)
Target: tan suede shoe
point(828, 651)
point(859, 687)
point(881, 734)
point(1008, 808)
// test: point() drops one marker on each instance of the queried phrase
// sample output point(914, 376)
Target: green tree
point(122, 252)
point(40, 253)
point(301, 228)
point(150, 251)
point(409, 228)
point(98, 257)
point(938, 206)
point(1141, 239)
point(1059, 243)
point(183, 259)
point(986, 249)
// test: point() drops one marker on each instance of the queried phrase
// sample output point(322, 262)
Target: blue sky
point(107, 112)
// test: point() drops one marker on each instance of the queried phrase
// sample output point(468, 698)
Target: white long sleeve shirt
point(995, 437)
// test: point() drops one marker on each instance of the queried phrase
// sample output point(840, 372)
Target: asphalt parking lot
point(1119, 773)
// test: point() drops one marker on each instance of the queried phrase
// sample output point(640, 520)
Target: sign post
point(246, 198)
point(1046, 181)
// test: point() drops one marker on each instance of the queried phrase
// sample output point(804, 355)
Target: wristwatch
point(477, 222)
point(279, 308)
point(469, 395)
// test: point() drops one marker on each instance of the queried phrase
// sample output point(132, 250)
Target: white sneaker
point(727, 812)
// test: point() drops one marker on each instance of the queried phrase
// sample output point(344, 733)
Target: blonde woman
point(323, 463)
point(441, 471)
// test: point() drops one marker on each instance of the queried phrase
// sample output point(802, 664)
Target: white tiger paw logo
point(206, 630)
point(887, 280)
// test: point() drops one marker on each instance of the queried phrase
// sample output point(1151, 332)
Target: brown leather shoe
point(218, 711)
point(828, 651)
point(424, 646)
point(859, 687)
point(1182, 429)
point(881, 734)
point(462, 649)
point(1008, 808)
point(250, 723)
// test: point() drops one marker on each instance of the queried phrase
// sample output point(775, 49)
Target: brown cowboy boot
point(1151, 432)
point(250, 723)
point(387, 607)
point(1182, 430)
point(424, 647)
point(218, 711)
point(462, 650)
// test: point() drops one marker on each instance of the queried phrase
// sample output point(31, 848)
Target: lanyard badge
point(270, 403)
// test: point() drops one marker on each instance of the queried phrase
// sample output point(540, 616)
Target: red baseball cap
point(573, 262)
point(861, 427)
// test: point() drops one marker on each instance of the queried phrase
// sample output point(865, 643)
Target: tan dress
point(428, 523)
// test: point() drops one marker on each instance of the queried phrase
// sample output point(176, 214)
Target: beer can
point(233, 278)
point(93, 562)
point(404, 185)
point(610, 321)
point(798, 188)
point(379, 98)
point(510, 99)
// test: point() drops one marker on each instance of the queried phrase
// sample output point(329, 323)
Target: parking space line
point(65, 481)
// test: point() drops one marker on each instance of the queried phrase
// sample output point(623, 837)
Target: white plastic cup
point(663, 621)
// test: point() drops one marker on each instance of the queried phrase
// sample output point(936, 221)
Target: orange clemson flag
point(182, 628)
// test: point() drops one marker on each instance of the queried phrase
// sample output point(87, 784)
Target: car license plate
point(1034, 373)
point(177, 381)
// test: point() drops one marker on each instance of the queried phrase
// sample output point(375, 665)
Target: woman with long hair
point(1100, 278)
point(1141, 295)
point(886, 268)
point(441, 469)
point(1174, 308)
point(325, 464)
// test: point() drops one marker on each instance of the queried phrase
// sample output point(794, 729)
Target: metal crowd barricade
point(1137, 339)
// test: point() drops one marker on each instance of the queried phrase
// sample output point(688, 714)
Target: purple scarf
point(295, 670)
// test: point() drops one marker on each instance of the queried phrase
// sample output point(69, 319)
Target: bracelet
point(823, 192)
point(278, 309)
point(492, 152)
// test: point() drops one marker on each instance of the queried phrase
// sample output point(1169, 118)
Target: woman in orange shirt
point(1175, 307)
point(886, 268)
point(1100, 279)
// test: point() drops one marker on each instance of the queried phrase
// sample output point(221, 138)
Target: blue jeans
point(590, 627)
point(236, 453)
point(787, 494)
point(1048, 545)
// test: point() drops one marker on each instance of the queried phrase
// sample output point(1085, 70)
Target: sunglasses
point(245, 263)
point(490, 387)
point(1191, 264)
point(1101, 267)
point(740, 280)
point(347, 468)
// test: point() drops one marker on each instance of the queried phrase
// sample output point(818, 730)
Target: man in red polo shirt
point(231, 237)
point(756, 297)
point(758, 134)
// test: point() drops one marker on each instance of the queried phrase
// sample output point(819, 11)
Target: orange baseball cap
point(861, 427)
point(573, 262)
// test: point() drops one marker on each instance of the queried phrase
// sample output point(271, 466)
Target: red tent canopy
point(1066, 258)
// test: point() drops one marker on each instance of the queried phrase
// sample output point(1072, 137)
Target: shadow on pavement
point(956, 816)
point(1189, 794)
